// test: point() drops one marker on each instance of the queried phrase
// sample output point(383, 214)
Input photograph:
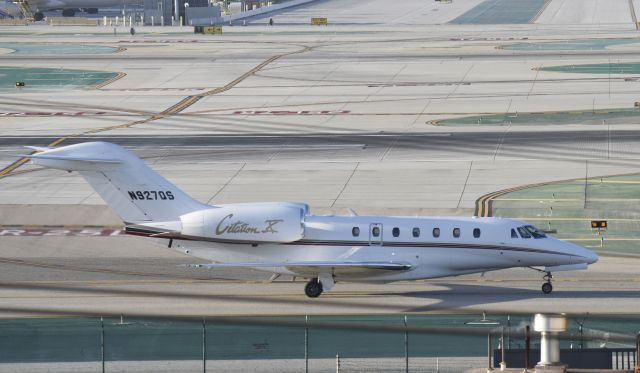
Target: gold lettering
point(270, 224)
point(244, 227)
point(218, 231)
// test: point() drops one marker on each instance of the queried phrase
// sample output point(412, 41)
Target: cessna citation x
point(284, 238)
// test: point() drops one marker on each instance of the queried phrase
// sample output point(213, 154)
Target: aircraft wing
point(312, 268)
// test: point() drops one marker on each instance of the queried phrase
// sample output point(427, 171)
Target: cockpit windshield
point(528, 231)
point(523, 232)
point(535, 232)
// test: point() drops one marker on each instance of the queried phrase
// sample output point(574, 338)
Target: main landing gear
point(38, 16)
point(313, 288)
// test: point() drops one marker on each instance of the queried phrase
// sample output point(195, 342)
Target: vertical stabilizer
point(131, 189)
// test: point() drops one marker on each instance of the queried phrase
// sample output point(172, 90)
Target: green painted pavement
point(597, 68)
point(491, 12)
point(51, 78)
point(570, 45)
point(569, 206)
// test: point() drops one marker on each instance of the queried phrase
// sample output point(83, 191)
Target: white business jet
point(284, 238)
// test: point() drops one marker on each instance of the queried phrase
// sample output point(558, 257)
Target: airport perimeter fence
point(267, 344)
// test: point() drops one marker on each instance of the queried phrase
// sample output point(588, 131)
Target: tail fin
point(130, 188)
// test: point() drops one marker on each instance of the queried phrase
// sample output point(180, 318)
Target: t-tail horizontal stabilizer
point(131, 189)
point(71, 163)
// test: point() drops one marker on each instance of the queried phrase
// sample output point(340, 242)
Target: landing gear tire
point(313, 288)
point(38, 16)
point(547, 287)
point(68, 12)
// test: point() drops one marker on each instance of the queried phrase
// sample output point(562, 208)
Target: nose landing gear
point(313, 288)
point(547, 287)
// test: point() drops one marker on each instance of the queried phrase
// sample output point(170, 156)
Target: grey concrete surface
point(135, 276)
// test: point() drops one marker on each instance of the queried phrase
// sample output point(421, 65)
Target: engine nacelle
point(250, 222)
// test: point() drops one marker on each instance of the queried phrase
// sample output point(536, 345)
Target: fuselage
point(431, 246)
point(9, 8)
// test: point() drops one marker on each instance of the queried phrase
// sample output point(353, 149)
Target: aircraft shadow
point(460, 296)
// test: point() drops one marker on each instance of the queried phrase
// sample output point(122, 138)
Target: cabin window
point(476, 232)
point(436, 232)
point(395, 232)
point(513, 233)
point(375, 232)
point(416, 232)
point(523, 232)
point(355, 231)
point(456, 232)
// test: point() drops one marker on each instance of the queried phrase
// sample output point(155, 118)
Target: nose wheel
point(547, 287)
point(313, 288)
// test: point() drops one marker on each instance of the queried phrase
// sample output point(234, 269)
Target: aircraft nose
point(587, 256)
point(591, 256)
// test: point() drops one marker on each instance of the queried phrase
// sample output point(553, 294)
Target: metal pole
point(337, 363)
point(306, 344)
point(638, 353)
point(204, 345)
point(586, 181)
point(527, 345)
point(489, 367)
point(176, 10)
point(503, 363)
point(509, 332)
point(102, 342)
point(406, 346)
point(581, 337)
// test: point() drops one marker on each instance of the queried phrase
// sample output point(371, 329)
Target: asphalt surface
point(606, 143)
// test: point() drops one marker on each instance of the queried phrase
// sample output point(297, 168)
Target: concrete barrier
point(72, 21)
point(13, 22)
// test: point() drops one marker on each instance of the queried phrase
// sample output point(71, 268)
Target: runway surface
point(607, 143)
point(131, 276)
